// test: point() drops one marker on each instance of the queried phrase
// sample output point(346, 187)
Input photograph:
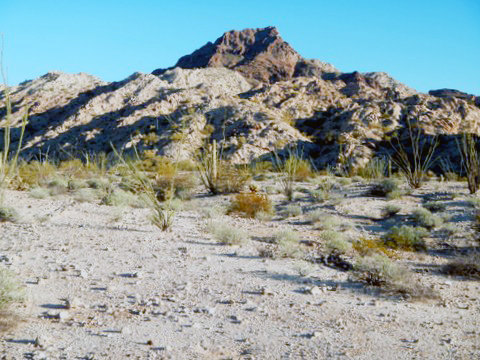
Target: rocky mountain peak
point(258, 54)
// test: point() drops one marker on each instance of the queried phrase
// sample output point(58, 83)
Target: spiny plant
point(414, 165)
point(470, 160)
point(162, 215)
point(291, 169)
point(217, 175)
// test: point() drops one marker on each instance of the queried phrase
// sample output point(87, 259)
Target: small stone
point(126, 330)
point(64, 316)
point(266, 291)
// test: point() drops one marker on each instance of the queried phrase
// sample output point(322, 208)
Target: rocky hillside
point(250, 91)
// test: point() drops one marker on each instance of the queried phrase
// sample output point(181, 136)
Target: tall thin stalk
point(470, 160)
point(414, 166)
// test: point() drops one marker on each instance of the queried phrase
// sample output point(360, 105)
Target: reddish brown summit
point(259, 54)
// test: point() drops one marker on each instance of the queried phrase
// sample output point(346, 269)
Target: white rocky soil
point(103, 283)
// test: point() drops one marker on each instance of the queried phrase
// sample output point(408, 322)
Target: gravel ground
point(102, 282)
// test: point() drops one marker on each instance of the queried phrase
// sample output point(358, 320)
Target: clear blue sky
point(426, 44)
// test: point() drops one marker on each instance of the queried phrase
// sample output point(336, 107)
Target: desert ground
point(102, 282)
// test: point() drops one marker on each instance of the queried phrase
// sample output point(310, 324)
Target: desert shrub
point(435, 206)
point(288, 241)
point(330, 222)
point(415, 161)
point(10, 289)
point(264, 216)
point(384, 187)
point(261, 167)
point(335, 242)
point(379, 271)
point(99, 183)
point(121, 198)
point(406, 238)
point(319, 195)
point(226, 233)
point(426, 219)
point(75, 184)
point(292, 210)
point(474, 202)
point(8, 214)
point(213, 212)
point(217, 175)
point(286, 236)
point(39, 193)
point(369, 246)
point(344, 181)
point(169, 186)
point(390, 210)
point(467, 266)
point(186, 165)
point(34, 173)
point(86, 195)
point(293, 168)
point(375, 169)
point(315, 216)
point(58, 186)
point(74, 168)
point(250, 204)
point(395, 194)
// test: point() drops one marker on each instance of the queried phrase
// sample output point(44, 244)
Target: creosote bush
point(226, 233)
point(390, 210)
point(467, 266)
point(288, 243)
point(379, 271)
point(426, 219)
point(250, 204)
point(10, 289)
point(384, 188)
point(406, 237)
point(8, 214)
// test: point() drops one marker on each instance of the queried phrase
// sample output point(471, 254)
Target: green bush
point(426, 219)
point(384, 187)
point(406, 238)
point(226, 233)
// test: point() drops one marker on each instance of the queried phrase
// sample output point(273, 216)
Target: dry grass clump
point(369, 246)
point(467, 266)
point(315, 216)
point(379, 271)
point(34, 173)
point(426, 219)
point(331, 222)
point(375, 169)
point(250, 204)
point(335, 242)
point(435, 206)
point(292, 210)
point(226, 233)
point(390, 210)
point(385, 188)
point(406, 237)
point(120, 198)
point(39, 193)
point(10, 292)
point(217, 175)
point(293, 168)
point(8, 214)
point(288, 243)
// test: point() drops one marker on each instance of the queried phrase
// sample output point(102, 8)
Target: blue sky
point(424, 44)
